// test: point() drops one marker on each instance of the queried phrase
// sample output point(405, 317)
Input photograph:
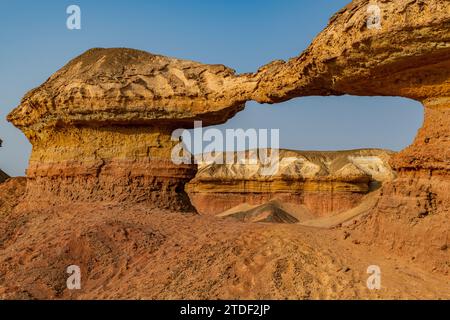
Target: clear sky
point(244, 35)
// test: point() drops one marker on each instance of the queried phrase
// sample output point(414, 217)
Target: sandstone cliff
point(325, 182)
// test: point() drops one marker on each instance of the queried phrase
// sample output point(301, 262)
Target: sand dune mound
point(273, 211)
point(276, 211)
point(368, 203)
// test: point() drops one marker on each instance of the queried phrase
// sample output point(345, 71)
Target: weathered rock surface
point(101, 126)
point(409, 56)
point(105, 119)
point(325, 182)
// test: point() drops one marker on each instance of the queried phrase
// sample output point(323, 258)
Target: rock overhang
point(124, 86)
point(408, 56)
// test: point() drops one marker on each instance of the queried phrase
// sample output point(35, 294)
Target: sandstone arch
point(126, 92)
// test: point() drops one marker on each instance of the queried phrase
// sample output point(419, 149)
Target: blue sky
point(243, 35)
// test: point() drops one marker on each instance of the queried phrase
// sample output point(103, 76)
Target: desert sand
point(139, 253)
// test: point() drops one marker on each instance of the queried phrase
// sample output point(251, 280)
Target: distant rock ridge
point(326, 182)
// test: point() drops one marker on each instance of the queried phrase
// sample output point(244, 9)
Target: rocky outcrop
point(101, 126)
point(3, 175)
point(100, 131)
point(408, 56)
point(325, 182)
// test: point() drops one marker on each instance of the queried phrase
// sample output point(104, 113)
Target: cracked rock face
point(101, 126)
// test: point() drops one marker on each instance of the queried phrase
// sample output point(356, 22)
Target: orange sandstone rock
point(101, 126)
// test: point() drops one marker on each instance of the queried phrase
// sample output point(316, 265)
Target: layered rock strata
point(325, 182)
point(101, 126)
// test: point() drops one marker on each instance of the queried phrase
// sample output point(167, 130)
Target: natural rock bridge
point(100, 127)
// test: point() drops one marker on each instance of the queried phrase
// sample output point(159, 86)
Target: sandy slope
point(367, 204)
point(138, 253)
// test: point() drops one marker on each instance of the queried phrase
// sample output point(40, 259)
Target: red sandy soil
point(139, 253)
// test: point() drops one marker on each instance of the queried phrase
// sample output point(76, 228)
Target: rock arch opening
point(334, 123)
point(340, 148)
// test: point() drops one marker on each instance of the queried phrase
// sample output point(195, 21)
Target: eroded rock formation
point(325, 182)
point(101, 126)
point(3, 175)
point(409, 56)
